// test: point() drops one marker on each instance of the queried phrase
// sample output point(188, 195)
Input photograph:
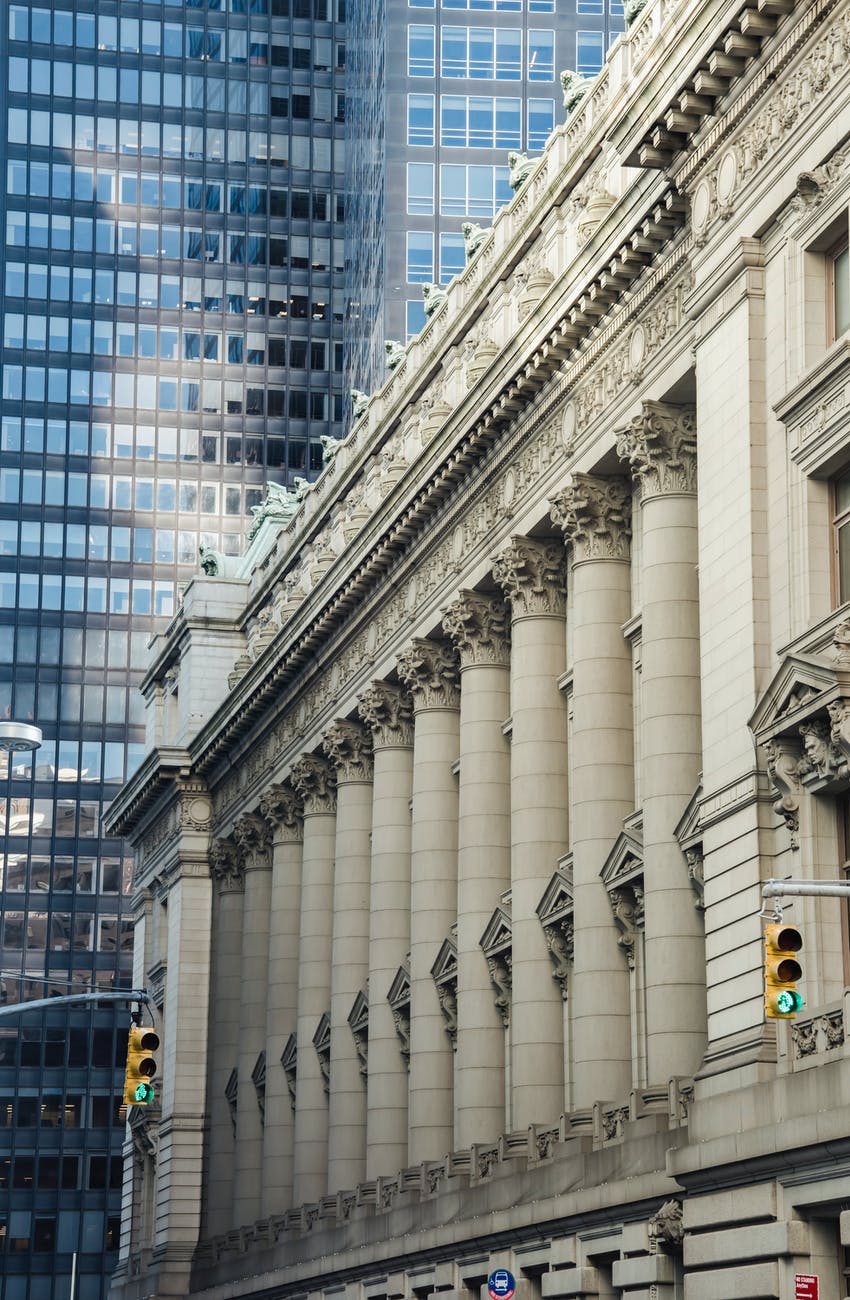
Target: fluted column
point(595, 515)
point(387, 711)
point(660, 448)
point(227, 871)
point(251, 834)
point(531, 574)
point(430, 670)
point(348, 746)
point(282, 808)
point(315, 781)
point(478, 626)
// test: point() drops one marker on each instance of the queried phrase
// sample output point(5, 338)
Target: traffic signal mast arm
point(814, 888)
point(68, 999)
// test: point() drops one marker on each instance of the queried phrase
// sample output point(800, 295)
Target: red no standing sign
point(805, 1286)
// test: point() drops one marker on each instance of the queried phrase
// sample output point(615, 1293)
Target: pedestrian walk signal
point(782, 970)
point(142, 1045)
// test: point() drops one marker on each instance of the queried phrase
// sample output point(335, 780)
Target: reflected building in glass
point(171, 338)
point(439, 91)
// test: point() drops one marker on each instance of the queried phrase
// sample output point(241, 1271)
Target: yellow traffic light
point(781, 971)
point(141, 1066)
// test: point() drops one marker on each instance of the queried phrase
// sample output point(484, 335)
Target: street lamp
point(19, 736)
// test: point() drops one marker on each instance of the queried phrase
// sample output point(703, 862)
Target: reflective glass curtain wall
point(439, 92)
point(171, 337)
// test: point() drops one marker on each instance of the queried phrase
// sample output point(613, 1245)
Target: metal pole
point(67, 999)
point(806, 888)
point(73, 1274)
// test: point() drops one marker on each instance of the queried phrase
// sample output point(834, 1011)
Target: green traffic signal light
point(144, 1094)
point(788, 1002)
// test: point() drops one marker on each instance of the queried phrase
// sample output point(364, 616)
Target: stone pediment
point(625, 861)
point(358, 1016)
point(557, 900)
point(802, 686)
point(399, 993)
point(688, 829)
point(445, 966)
point(498, 935)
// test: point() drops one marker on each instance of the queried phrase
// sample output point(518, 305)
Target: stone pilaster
point(430, 670)
point(532, 575)
point(227, 871)
point(478, 625)
point(388, 712)
point(253, 840)
point(315, 781)
point(595, 516)
point(283, 810)
point(660, 448)
point(348, 746)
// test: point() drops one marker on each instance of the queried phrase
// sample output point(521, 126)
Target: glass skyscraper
point(439, 92)
point(171, 337)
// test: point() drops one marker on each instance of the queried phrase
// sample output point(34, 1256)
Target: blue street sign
point(501, 1284)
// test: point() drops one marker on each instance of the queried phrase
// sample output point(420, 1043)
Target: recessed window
point(841, 535)
point(839, 295)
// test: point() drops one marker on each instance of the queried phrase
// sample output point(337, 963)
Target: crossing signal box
point(782, 970)
point(142, 1046)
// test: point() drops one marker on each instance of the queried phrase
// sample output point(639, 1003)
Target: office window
point(590, 6)
point(590, 52)
point(841, 535)
point(420, 119)
point(420, 50)
point(541, 55)
point(475, 121)
point(416, 318)
point(452, 256)
point(420, 189)
point(420, 257)
point(473, 191)
point(541, 121)
point(482, 53)
point(838, 265)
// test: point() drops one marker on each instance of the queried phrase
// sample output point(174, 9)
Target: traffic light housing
point(782, 943)
point(142, 1044)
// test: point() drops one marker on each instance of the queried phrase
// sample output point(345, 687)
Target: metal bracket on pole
point(801, 888)
point(69, 999)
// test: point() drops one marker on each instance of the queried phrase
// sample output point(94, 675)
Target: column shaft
point(477, 624)
point(224, 1032)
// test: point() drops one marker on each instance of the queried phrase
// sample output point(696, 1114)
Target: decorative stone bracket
point(258, 1078)
point(496, 944)
point(322, 1044)
point(399, 1000)
point(622, 876)
point(444, 974)
point(231, 1092)
point(289, 1061)
point(556, 916)
point(358, 1021)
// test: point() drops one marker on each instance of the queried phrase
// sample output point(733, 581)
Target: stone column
point(348, 746)
point(595, 515)
point(531, 574)
point(314, 780)
point(227, 872)
point(282, 808)
point(660, 448)
point(429, 669)
point(251, 834)
point(388, 712)
point(477, 624)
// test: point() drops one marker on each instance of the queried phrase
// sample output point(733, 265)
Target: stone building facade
point(458, 802)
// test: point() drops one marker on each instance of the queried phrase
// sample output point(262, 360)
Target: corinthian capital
point(348, 746)
point(660, 448)
point(479, 627)
point(595, 515)
point(430, 670)
point(315, 781)
point(226, 866)
point(531, 574)
point(284, 811)
point(388, 711)
point(252, 835)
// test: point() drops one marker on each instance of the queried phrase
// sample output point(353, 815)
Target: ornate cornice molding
point(283, 809)
point(227, 867)
point(348, 746)
point(660, 449)
point(388, 711)
point(253, 836)
point(532, 576)
point(429, 669)
point(315, 780)
point(480, 629)
point(595, 516)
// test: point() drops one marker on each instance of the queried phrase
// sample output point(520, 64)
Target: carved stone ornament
point(660, 448)
point(532, 576)
point(358, 1022)
point(823, 764)
point(399, 1000)
point(783, 762)
point(289, 1061)
point(500, 968)
point(560, 942)
point(348, 746)
point(444, 975)
point(595, 515)
point(258, 1078)
point(283, 808)
point(666, 1228)
point(322, 1044)
point(231, 1093)
point(388, 711)
point(315, 781)
point(694, 863)
point(144, 1130)
point(253, 836)
point(429, 669)
point(227, 866)
point(627, 906)
point(479, 627)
